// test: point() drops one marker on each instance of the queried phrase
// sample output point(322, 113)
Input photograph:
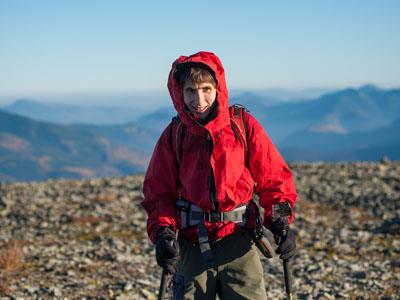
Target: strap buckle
point(213, 217)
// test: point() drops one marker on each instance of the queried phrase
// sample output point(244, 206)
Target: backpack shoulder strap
point(238, 124)
point(177, 132)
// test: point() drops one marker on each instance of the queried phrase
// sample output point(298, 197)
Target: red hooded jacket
point(212, 153)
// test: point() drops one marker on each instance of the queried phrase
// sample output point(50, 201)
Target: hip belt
point(192, 215)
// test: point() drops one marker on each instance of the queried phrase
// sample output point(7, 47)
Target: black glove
point(166, 249)
point(287, 246)
point(284, 238)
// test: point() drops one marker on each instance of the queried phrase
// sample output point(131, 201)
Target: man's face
point(199, 97)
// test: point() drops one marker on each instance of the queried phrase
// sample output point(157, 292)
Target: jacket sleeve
point(160, 185)
point(274, 179)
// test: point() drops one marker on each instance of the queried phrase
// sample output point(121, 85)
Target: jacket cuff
point(162, 222)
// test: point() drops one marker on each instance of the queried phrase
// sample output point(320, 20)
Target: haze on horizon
point(121, 47)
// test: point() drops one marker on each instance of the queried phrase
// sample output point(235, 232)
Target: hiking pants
point(237, 271)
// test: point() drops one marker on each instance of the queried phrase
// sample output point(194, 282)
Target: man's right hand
point(167, 254)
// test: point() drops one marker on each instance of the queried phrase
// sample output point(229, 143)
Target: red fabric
point(207, 149)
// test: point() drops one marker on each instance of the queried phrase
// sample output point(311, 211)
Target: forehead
point(190, 84)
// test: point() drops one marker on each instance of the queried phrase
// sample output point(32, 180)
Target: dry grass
point(125, 233)
point(11, 261)
point(11, 256)
point(105, 198)
point(5, 287)
point(89, 220)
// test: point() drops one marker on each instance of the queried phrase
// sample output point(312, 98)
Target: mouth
point(200, 110)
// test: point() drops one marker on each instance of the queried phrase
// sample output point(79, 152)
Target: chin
point(203, 115)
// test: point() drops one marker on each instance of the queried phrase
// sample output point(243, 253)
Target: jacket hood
point(211, 61)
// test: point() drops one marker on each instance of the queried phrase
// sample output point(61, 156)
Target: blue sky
point(118, 46)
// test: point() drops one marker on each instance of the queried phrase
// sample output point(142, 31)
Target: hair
point(194, 74)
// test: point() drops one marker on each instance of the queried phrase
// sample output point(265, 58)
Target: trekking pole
point(283, 210)
point(163, 285)
point(288, 279)
point(164, 281)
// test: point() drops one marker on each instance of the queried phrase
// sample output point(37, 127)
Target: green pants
point(237, 273)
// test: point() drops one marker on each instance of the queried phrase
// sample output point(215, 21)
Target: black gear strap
point(204, 244)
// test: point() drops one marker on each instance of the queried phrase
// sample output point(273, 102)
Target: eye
point(207, 90)
point(189, 90)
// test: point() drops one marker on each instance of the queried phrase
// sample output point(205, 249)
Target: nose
point(198, 98)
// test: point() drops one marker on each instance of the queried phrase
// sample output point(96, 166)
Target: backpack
point(238, 125)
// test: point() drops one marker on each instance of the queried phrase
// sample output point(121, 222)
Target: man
point(202, 175)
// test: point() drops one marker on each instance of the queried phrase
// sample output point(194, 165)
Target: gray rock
point(346, 214)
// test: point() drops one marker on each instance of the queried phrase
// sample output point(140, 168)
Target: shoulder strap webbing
point(238, 124)
point(177, 132)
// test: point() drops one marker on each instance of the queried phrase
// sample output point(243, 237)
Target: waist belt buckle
point(214, 217)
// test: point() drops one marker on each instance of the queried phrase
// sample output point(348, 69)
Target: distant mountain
point(156, 121)
point(70, 114)
point(285, 95)
point(132, 135)
point(343, 111)
point(368, 145)
point(34, 150)
point(252, 101)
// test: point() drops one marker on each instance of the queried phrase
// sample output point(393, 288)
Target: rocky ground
point(86, 239)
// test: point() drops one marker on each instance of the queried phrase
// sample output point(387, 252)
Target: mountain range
point(36, 150)
point(349, 124)
point(369, 145)
point(341, 112)
point(69, 114)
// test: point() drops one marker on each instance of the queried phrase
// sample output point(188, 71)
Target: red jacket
point(212, 151)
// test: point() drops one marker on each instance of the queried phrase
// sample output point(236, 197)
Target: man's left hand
point(287, 246)
point(284, 237)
